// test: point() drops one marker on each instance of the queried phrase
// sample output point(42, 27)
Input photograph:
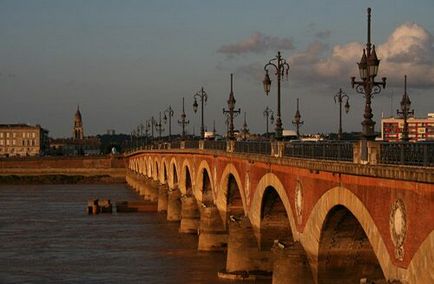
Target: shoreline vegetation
point(59, 179)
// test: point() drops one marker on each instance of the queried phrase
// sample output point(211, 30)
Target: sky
point(125, 61)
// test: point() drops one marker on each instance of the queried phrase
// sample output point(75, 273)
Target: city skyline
point(124, 61)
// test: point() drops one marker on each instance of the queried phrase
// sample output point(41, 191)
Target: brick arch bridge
point(303, 220)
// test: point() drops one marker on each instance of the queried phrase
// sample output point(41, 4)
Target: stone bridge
point(296, 220)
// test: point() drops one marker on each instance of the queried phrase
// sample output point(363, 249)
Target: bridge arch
point(149, 165)
point(173, 173)
point(204, 185)
point(230, 194)
point(337, 202)
point(155, 169)
point(186, 181)
point(143, 166)
point(255, 212)
point(164, 177)
point(421, 268)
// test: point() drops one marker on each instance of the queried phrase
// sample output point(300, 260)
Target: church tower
point(78, 133)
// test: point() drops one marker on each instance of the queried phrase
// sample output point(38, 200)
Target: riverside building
point(419, 129)
point(22, 140)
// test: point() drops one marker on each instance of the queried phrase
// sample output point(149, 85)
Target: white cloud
point(408, 50)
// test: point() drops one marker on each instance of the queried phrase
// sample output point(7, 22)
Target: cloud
point(323, 34)
point(408, 50)
point(257, 43)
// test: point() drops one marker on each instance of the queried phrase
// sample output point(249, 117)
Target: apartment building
point(22, 140)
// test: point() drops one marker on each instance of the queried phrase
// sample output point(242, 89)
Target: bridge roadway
point(296, 220)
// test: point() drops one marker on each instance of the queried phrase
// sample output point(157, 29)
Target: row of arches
point(337, 238)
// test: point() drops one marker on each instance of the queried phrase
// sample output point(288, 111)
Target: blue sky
point(124, 61)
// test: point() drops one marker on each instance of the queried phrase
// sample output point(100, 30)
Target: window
point(7, 142)
point(1, 142)
point(7, 134)
point(33, 135)
point(14, 134)
point(1, 135)
point(14, 141)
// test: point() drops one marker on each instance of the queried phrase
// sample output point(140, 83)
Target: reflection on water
point(47, 237)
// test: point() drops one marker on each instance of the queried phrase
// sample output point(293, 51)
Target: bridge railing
point(339, 151)
point(215, 145)
point(191, 144)
point(402, 153)
point(175, 145)
point(253, 147)
point(398, 153)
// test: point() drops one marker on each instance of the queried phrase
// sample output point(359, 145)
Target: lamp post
point(159, 127)
point(138, 135)
point(268, 113)
point(203, 98)
point(405, 112)
point(244, 130)
point(282, 68)
point(168, 114)
point(142, 127)
point(339, 97)
point(183, 122)
point(368, 68)
point(147, 129)
point(231, 113)
point(297, 120)
point(153, 122)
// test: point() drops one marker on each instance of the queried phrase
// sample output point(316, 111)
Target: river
point(46, 236)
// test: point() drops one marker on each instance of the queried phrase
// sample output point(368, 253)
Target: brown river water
point(46, 236)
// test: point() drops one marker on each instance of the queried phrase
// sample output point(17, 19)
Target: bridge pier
point(190, 215)
point(244, 259)
point(150, 190)
point(162, 198)
point(290, 264)
point(139, 186)
point(174, 205)
point(212, 233)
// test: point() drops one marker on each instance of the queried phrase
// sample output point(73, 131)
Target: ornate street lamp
point(147, 129)
point(281, 67)
point(203, 98)
point(152, 122)
point(231, 113)
point(159, 127)
point(244, 130)
point(183, 122)
point(297, 120)
point(405, 112)
point(168, 114)
point(268, 113)
point(368, 68)
point(340, 97)
point(138, 135)
point(142, 128)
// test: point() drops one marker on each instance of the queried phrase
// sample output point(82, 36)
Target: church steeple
point(78, 132)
